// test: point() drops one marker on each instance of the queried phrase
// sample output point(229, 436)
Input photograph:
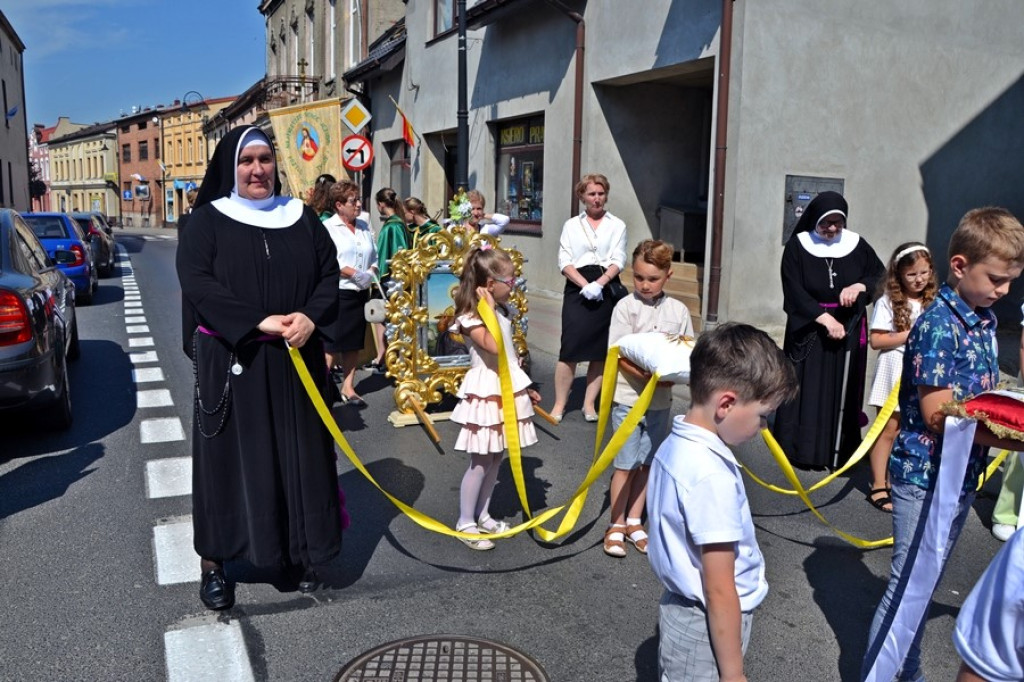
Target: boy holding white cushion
point(648, 309)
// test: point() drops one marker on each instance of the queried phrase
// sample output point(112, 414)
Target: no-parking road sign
point(356, 153)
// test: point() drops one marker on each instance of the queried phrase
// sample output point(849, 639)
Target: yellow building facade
point(185, 151)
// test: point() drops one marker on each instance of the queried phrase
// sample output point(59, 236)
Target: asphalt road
point(80, 592)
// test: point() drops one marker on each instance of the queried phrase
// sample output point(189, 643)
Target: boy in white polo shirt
point(702, 545)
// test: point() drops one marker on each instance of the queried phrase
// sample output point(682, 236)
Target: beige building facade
point(910, 109)
point(83, 168)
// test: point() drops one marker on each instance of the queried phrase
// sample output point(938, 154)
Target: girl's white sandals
point(480, 545)
point(489, 525)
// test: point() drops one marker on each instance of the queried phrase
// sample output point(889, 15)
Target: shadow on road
point(846, 592)
point(371, 514)
point(46, 478)
point(102, 401)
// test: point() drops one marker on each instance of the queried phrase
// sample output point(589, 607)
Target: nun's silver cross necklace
point(831, 273)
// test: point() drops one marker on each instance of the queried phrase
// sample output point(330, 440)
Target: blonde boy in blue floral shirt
point(950, 355)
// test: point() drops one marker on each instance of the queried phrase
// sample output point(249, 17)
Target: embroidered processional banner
point(308, 139)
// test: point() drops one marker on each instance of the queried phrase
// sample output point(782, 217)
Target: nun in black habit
point(257, 270)
point(829, 274)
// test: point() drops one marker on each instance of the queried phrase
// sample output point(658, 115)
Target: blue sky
point(91, 60)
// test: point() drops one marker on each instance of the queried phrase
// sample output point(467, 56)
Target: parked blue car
point(59, 231)
point(38, 325)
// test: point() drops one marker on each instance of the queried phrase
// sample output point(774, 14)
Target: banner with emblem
point(308, 139)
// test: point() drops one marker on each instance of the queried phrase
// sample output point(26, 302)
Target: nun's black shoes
point(309, 582)
point(216, 591)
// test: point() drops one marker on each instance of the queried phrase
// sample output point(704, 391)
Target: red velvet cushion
point(998, 410)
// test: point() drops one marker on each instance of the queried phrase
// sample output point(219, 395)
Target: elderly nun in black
point(257, 270)
point(829, 275)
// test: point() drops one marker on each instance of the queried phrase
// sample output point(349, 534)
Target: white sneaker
point(1003, 531)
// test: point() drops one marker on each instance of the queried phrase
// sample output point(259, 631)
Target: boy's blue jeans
point(908, 503)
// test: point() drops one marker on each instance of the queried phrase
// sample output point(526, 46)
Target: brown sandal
point(637, 536)
point(615, 548)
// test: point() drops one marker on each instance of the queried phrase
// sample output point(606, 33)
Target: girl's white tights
point(477, 486)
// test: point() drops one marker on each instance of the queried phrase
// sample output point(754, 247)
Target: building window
point(143, 150)
point(142, 124)
point(329, 46)
point(401, 174)
point(444, 16)
point(156, 147)
point(310, 41)
point(126, 153)
point(520, 173)
point(354, 44)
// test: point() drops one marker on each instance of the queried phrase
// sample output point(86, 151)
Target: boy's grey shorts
point(684, 646)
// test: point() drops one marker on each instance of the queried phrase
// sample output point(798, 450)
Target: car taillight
point(79, 254)
point(14, 323)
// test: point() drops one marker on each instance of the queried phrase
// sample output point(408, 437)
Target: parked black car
point(101, 237)
point(38, 325)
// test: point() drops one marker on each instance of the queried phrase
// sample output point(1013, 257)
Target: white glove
point(592, 292)
point(362, 278)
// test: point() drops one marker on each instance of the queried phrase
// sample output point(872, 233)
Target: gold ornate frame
point(420, 379)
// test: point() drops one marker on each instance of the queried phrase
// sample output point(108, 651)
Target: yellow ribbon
point(876, 428)
point(579, 497)
point(601, 460)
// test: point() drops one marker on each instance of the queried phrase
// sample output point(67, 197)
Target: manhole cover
point(442, 658)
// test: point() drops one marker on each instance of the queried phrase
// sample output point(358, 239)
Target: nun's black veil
point(220, 174)
point(819, 206)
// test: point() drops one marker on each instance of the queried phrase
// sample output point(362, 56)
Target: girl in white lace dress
point(910, 285)
point(488, 274)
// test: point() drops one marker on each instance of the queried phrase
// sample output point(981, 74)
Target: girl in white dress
point(909, 287)
point(488, 274)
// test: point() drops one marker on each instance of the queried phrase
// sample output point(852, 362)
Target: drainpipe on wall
point(462, 115)
point(721, 128)
point(577, 105)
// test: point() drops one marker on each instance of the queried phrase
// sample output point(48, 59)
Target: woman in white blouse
point(591, 254)
point(481, 221)
point(357, 258)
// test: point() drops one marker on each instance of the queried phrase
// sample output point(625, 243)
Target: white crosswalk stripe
point(169, 477)
point(158, 397)
point(161, 430)
point(214, 652)
point(176, 561)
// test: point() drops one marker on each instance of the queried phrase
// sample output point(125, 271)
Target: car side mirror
point(64, 257)
point(109, 230)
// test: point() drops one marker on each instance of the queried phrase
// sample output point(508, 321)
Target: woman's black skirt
point(585, 323)
point(349, 331)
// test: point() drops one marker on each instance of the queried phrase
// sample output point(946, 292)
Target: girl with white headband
point(909, 287)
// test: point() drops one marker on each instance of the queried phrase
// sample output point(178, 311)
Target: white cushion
point(667, 355)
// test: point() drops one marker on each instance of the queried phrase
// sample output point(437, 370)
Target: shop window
point(520, 173)
point(444, 16)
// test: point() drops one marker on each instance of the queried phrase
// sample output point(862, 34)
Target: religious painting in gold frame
point(420, 276)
